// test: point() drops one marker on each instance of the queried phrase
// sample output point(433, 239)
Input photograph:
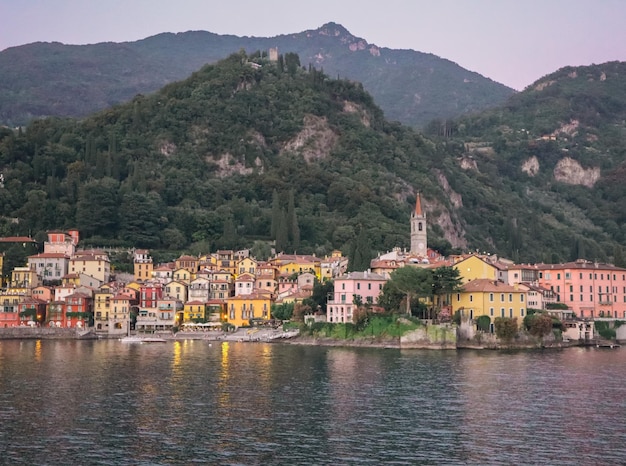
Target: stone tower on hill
point(419, 237)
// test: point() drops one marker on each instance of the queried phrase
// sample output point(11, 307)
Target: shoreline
point(291, 338)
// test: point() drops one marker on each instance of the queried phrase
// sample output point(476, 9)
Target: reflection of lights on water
point(38, 350)
point(224, 395)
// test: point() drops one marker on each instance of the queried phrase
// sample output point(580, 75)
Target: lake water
point(110, 403)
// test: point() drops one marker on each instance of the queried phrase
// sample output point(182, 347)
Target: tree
point(292, 223)
point(506, 328)
point(445, 281)
point(97, 208)
point(282, 311)
point(483, 323)
point(412, 282)
point(361, 253)
point(539, 325)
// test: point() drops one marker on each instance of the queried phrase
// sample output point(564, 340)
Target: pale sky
point(514, 42)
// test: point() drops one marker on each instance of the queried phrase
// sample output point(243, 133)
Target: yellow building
point(142, 265)
point(93, 263)
point(289, 264)
point(101, 307)
point(474, 267)
point(226, 261)
point(182, 275)
point(24, 278)
point(241, 309)
point(190, 263)
point(246, 265)
point(194, 310)
point(176, 289)
point(491, 298)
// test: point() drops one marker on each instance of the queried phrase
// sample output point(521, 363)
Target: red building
point(150, 294)
point(79, 307)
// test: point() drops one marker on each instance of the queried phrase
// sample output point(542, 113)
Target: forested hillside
point(250, 152)
point(52, 79)
point(244, 150)
point(558, 149)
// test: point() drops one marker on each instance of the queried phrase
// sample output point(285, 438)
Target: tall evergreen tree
point(361, 253)
point(292, 223)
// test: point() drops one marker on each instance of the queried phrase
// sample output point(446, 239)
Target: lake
point(185, 402)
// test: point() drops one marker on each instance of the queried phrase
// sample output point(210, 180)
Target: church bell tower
point(419, 237)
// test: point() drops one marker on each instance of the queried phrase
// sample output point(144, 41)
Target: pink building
point(589, 289)
point(349, 288)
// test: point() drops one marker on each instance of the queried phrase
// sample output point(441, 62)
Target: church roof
point(418, 205)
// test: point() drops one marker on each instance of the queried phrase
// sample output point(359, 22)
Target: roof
point(580, 264)
point(366, 275)
point(485, 284)
point(418, 205)
point(17, 239)
point(49, 255)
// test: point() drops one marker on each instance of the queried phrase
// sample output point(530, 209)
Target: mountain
point(554, 157)
point(52, 79)
point(249, 150)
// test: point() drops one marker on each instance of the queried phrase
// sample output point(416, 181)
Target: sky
point(513, 42)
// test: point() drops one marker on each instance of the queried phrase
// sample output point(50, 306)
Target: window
point(491, 298)
point(501, 312)
point(571, 297)
point(521, 298)
point(568, 275)
point(369, 286)
point(521, 312)
point(491, 311)
point(510, 297)
point(580, 275)
point(558, 276)
point(511, 312)
point(343, 286)
point(358, 286)
point(502, 297)
point(471, 298)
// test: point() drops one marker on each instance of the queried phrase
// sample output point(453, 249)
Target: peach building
point(590, 289)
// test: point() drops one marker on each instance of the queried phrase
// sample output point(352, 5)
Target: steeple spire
point(418, 205)
point(419, 235)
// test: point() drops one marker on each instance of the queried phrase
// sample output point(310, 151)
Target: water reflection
point(181, 402)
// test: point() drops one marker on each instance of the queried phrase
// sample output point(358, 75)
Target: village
point(231, 289)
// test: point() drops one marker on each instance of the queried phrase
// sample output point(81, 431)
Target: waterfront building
point(56, 314)
point(350, 291)
point(78, 307)
point(240, 310)
point(588, 288)
point(101, 307)
point(492, 298)
point(194, 311)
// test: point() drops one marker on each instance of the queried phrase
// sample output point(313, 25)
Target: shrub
point(540, 325)
point(506, 328)
point(483, 323)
